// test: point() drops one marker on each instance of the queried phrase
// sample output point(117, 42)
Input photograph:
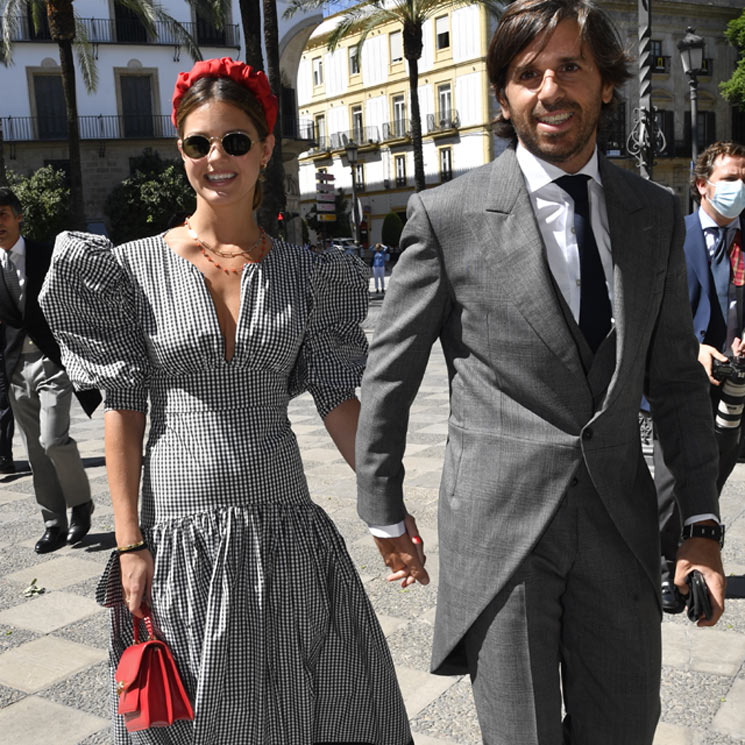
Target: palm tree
point(67, 31)
point(411, 15)
point(251, 22)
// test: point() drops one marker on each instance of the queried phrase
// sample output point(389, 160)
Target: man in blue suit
point(715, 266)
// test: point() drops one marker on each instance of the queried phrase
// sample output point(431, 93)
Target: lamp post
point(352, 160)
point(691, 48)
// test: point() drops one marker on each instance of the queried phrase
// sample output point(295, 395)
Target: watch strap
point(712, 532)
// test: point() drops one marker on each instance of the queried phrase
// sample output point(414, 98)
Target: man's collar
point(19, 247)
point(707, 221)
point(539, 173)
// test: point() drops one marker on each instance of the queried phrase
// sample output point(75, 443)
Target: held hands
point(702, 554)
point(404, 555)
point(137, 578)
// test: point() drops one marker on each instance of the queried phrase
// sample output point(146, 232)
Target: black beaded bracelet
point(141, 546)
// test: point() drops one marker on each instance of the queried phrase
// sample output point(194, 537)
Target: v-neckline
point(211, 301)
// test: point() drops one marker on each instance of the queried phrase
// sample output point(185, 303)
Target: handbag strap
point(148, 624)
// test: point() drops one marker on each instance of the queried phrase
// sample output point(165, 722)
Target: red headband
point(241, 73)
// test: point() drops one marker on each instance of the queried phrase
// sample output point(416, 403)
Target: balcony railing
point(125, 126)
point(110, 31)
point(397, 129)
point(298, 129)
point(442, 121)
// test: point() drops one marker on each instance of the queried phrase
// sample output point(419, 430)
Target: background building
point(131, 107)
point(366, 98)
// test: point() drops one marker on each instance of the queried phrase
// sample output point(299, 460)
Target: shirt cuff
point(701, 518)
point(388, 531)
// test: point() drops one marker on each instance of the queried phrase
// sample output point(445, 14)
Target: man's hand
point(702, 554)
point(404, 555)
point(707, 353)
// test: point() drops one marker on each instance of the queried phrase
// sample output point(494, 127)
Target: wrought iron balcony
point(116, 127)
point(110, 31)
point(398, 129)
point(298, 129)
point(660, 63)
point(362, 136)
point(443, 121)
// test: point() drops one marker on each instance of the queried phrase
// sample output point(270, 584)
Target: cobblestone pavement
point(53, 670)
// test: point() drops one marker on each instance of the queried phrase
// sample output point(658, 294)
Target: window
point(354, 61)
point(129, 27)
point(738, 125)
point(359, 176)
point(446, 164)
point(321, 131)
point(666, 122)
point(207, 33)
point(706, 133)
point(445, 103)
point(137, 105)
point(51, 112)
point(442, 32)
point(399, 116)
point(317, 71)
point(655, 47)
point(397, 50)
point(660, 63)
point(358, 131)
point(612, 132)
point(400, 164)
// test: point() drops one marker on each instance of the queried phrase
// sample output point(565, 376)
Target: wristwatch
point(712, 532)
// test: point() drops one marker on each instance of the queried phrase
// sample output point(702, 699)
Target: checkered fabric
point(253, 590)
point(737, 260)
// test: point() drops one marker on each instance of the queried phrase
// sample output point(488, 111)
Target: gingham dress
point(253, 589)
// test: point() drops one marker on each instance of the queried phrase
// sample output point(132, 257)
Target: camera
point(731, 395)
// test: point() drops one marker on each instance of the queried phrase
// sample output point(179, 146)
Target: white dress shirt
point(16, 255)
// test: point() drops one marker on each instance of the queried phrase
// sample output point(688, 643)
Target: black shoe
point(672, 601)
point(80, 522)
point(7, 466)
point(53, 538)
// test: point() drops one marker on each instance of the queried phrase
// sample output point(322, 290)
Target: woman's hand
point(137, 577)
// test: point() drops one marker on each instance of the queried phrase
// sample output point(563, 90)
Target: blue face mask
point(728, 198)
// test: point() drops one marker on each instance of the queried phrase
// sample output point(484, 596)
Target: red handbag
point(150, 690)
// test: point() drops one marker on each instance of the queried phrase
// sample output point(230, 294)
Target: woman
point(219, 325)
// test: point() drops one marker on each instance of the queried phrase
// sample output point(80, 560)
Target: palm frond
point(86, 59)
point(361, 17)
point(10, 19)
point(145, 10)
point(215, 11)
point(295, 6)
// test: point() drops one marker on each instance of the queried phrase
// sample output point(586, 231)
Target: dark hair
point(206, 90)
point(525, 20)
point(704, 164)
point(9, 199)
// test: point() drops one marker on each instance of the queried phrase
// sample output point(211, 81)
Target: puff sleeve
point(333, 352)
point(89, 303)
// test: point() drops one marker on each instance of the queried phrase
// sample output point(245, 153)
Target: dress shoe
point(7, 466)
point(53, 538)
point(672, 601)
point(80, 522)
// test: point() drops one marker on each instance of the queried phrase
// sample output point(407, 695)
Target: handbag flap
point(130, 664)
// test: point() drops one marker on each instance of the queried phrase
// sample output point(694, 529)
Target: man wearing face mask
point(715, 266)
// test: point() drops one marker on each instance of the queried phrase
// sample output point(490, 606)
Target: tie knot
point(575, 186)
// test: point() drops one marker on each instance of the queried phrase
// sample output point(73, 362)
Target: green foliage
point(157, 196)
point(392, 227)
point(45, 198)
point(733, 90)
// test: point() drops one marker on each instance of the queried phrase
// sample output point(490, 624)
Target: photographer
point(716, 278)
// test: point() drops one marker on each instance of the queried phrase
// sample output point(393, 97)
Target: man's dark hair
point(524, 20)
point(705, 162)
point(9, 199)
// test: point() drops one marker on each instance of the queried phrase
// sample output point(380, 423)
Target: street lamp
point(352, 160)
point(691, 48)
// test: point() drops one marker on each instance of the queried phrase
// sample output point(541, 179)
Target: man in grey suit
point(557, 302)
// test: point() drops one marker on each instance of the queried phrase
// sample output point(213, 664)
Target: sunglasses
point(233, 143)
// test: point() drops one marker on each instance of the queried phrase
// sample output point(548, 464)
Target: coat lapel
point(512, 242)
point(633, 232)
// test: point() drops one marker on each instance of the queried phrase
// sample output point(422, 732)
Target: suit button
point(587, 434)
point(574, 481)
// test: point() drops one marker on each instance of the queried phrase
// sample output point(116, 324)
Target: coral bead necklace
point(261, 243)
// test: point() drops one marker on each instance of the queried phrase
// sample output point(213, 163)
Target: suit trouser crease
point(41, 395)
point(579, 616)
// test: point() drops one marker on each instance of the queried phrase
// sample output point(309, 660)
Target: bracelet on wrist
point(139, 546)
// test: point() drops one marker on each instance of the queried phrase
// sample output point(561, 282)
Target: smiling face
point(553, 96)
point(218, 178)
point(10, 227)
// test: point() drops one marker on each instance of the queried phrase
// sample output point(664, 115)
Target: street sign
point(323, 197)
point(325, 207)
point(327, 217)
point(322, 176)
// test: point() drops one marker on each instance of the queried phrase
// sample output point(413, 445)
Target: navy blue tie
point(721, 269)
point(594, 308)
